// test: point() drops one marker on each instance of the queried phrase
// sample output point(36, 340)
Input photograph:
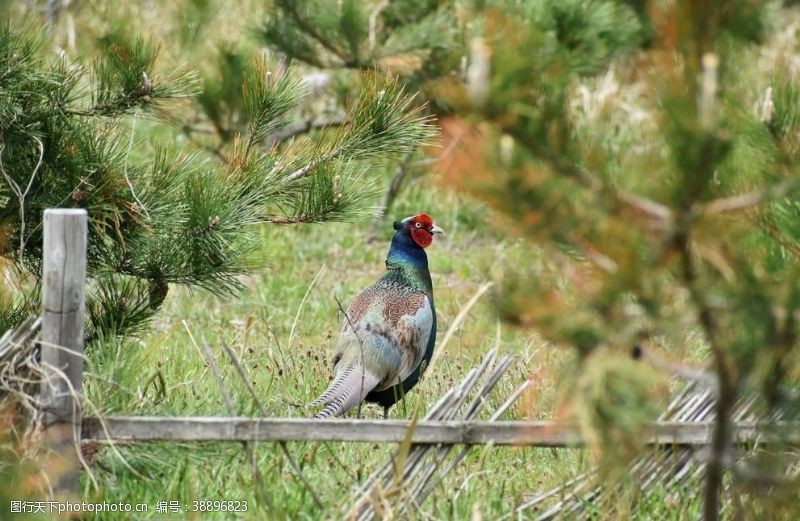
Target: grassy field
point(284, 329)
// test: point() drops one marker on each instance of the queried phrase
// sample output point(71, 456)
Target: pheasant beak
point(436, 230)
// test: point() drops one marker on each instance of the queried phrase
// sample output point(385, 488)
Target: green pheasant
point(389, 330)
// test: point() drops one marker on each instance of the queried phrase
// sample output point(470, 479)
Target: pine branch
point(125, 79)
point(21, 194)
point(164, 219)
point(381, 124)
point(303, 126)
point(749, 200)
point(301, 172)
point(773, 232)
point(639, 204)
point(381, 31)
point(267, 99)
point(335, 192)
point(725, 379)
point(390, 194)
point(280, 219)
point(290, 6)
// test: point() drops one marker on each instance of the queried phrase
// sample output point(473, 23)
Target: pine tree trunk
point(719, 445)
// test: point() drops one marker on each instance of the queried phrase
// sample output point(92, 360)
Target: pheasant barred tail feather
point(346, 391)
point(333, 388)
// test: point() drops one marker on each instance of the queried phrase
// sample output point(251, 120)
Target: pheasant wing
point(383, 339)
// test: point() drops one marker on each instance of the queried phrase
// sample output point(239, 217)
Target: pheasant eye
point(418, 225)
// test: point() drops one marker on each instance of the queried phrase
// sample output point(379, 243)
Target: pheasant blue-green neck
point(408, 263)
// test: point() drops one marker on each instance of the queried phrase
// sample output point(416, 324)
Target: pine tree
point(654, 162)
point(422, 41)
point(416, 40)
point(409, 37)
point(66, 140)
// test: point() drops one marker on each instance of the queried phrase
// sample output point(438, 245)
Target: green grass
point(284, 329)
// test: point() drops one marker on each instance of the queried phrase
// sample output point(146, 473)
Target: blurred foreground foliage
point(651, 149)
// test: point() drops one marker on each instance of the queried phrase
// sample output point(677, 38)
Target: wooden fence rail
point(527, 433)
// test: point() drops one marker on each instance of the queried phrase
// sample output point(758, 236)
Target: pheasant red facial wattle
point(422, 229)
point(419, 227)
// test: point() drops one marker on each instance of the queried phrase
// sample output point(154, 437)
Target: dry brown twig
point(211, 359)
point(21, 194)
point(396, 490)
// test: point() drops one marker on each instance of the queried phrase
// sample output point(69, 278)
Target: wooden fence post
point(61, 339)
